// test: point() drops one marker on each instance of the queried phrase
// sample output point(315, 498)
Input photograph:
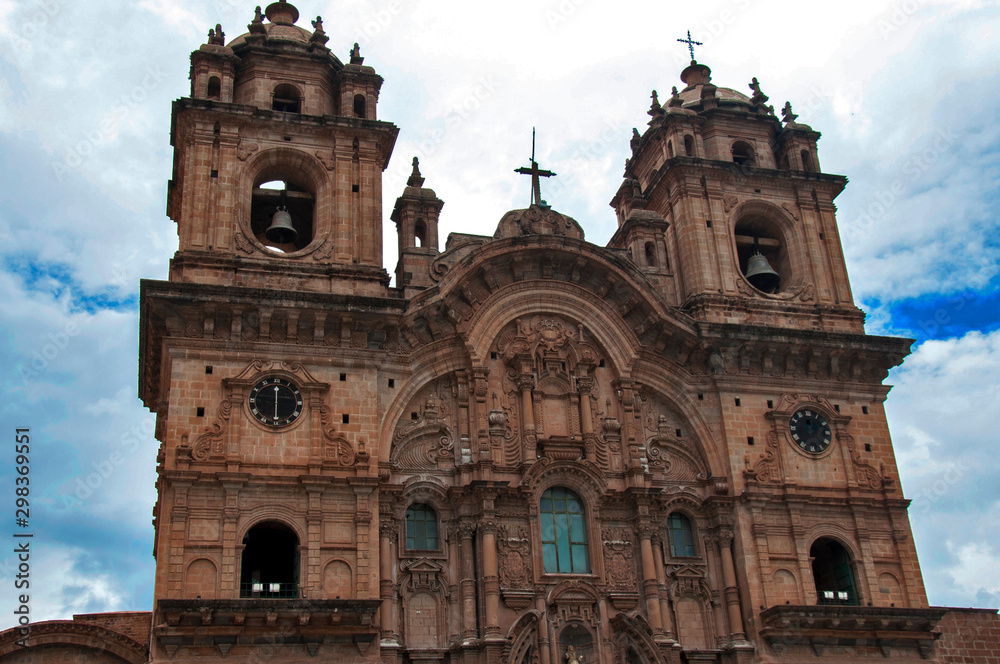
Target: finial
point(319, 35)
point(415, 179)
point(356, 58)
point(256, 26)
point(786, 113)
point(758, 98)
point(636, 139)
point(675, 98)
point(217, 36)
point(690, 44)
point(654, 107)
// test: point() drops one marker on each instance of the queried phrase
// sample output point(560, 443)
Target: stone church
point(527, 448)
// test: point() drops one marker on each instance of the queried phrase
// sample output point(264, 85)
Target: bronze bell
point(281, 230)
point(761, 274)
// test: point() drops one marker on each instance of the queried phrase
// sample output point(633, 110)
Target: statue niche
point(550, 375)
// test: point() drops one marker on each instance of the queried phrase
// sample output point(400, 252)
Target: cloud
point(977, 569)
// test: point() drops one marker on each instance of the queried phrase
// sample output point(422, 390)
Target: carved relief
point(514, 549)
point(619, 559)
point(246, 149)
point(426, 441)
point(210, 443)
point(767, 469)
point(337, 450)
point(243, 244)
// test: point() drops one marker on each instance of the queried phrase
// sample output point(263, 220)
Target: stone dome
point(281, 17)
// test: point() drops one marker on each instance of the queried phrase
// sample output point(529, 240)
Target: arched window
point(286, 99)
point(743, 154)
point(670, 149)
point(681, 536)
point(771, 270)
point(282, 190)
point(359, 106)
point(421, 528)
point(807, 164)
point(420, 233)
point(689, 145)
point(269, 566)
point(833, 574)
point(564, 533)
point(214, 88)
point(650, 254)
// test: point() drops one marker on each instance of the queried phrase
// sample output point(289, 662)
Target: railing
point(269, 590)
point(835, 597)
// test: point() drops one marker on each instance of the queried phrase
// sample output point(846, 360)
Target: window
point(689, 145)
point(650, 254)
point(359, 106)
point(286, 99)
point(214, 88)
point(270, 562)
point(833, 574)
point(681, 536)
point(743, 154)
point(421, 528)
point(806, 161)
point(564, 533)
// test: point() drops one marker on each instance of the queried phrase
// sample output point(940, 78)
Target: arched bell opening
point(650, 250)
point(743, 154)
point(833, 573)
point(688, 145)
point(269, 565)
point(286, 98)
point(214, 91)
point(360, 106)
point(282, 210)
point(763, 254)
point(420, 233)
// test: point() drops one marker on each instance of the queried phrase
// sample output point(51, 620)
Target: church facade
point(527, 449)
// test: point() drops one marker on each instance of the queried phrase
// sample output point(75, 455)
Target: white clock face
point(810, 431)
point(275, 402)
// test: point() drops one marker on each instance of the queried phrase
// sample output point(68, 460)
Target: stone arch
point(842, 538)
point(583, 477)
point(890, 590)
point(636, 634)
point(786, 587)
point(201, 579)
point(338, 580)
point(292, 166)
point(103, 645)
point(522, 638)
point(780, 240)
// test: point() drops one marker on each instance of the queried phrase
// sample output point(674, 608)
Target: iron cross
point(535, 173)
point(691, 44)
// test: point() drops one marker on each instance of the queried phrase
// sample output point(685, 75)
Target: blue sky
point(905, 93)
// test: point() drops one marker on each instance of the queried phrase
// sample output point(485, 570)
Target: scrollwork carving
point(514, 549)
point(619, 558)
point(210, 443)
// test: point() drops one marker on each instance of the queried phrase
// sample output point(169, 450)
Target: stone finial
point(217, 37)
point(415, 179)
point(655, 108)
point(256, 26)
point(786, 113)
point(758, 98)
point(636, 138)
point(356, 58)
point(675, 98)
point(319, 35)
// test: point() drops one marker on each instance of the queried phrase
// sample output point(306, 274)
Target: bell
point(281, 230)
point(761, 274)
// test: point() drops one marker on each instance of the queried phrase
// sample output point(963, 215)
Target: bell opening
point(281, 215)
point(762, 253)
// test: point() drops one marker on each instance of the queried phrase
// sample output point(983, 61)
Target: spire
point(415, 179)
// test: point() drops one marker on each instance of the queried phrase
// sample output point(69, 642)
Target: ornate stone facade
point(531, 449)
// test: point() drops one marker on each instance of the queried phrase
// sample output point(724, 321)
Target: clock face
point(810, 431)
point(275, 402)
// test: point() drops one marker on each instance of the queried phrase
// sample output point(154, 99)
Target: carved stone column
point(468, 582)
point(544, 652)
point(650, 587)
point(387, 565)
point(731, 591)
point(526, 383)
point(491, 576)
point(584, 385)
point(661, 582)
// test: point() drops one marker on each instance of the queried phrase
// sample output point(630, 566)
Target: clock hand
point(275, 402)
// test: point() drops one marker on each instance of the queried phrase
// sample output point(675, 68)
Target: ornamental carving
point(619, 559)
point(514, 553)
point(767, 469)
point(426, 440)
point(867, 476)
point(210, 443)
point(245, 150)
point(537, 220)
point(337, 450)
point(243, 244)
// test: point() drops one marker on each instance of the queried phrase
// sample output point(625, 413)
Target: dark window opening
point(199, 412)
point(689, 145)
point(807, 164)
point(868, 447)
point(762, 254)
point(208, 369)
point(421, 528)
point(214, 88)
point(743, 154)
point(832, 572)
point(392, 382)
point(681, 536)
point(749, 440)
point(359, 106)
point(670, 149)
point(770, 404)
point(281, 213)
point(650, 254)
point(864, 410)
point(420, 234)
point(343, 377)
point(345, 419)
point(269, 566)
point(286, 99)
point(564, 532)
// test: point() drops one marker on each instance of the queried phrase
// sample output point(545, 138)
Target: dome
point(697, 76)
point(281, 17)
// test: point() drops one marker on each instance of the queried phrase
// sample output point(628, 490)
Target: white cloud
point(977, 568)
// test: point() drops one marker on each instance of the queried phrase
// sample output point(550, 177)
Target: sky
point(906, 94)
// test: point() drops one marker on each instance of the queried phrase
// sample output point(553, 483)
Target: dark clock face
point(810, 431)
point(275, 402)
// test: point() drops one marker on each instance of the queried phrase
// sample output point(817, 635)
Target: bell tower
point(278, 160)
point(751, 235)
